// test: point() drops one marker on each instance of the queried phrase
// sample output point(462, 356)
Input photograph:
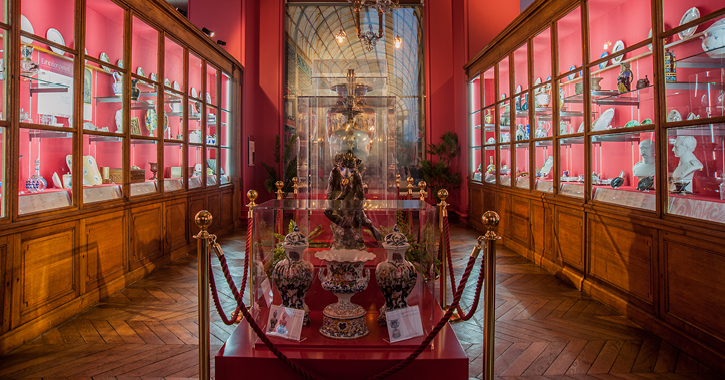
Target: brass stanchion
point(294, 186)
point(203, 220)
point(410, 188)
point(252, 196)
point(397, 187)
point(490, 220)
point(279, 192)
point(443, 195)
point(280, 196)
point(422, 185)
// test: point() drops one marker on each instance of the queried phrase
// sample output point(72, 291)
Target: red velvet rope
point(464, 316)
point(304, 373)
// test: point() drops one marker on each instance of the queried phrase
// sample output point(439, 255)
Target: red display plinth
point(245, 356)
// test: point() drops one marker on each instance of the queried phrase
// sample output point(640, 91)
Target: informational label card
point(404, 323)
point(267, 291)
point(285, 322)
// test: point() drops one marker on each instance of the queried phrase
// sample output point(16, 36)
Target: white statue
point(645, 167)
point(119, 121)
point(684, 148)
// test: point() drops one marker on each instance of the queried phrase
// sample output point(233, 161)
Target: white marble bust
point(683, 149)
point(645, 167)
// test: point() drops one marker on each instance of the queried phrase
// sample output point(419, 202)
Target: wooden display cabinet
point(99, 186)
point(614, 186)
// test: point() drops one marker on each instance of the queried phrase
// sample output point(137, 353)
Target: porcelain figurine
point(645, 167)
point(618, 181)
point(670, 66)
point(488, 118)
point(624, 80)
point(491, 168)
point(293, 276)
point(683, 148)
point(542, 130)
point(396, 276)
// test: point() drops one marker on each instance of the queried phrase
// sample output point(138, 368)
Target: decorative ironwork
point(370, 38)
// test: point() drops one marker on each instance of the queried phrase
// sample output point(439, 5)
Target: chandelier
point(370, 38)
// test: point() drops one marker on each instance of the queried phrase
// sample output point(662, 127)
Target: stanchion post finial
point(490, 220)
point(252, 195)
point(279, 191)
point(443, 195)
point(203, 220)
point(294, 185)
point(410, 186)
point(422, 185)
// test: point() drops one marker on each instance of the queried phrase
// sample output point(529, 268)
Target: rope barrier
point(464, 316)
point(304, 373)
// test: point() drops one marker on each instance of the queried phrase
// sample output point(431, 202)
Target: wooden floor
point(545, 329)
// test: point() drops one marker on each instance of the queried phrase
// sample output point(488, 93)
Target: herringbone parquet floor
point(545, 329)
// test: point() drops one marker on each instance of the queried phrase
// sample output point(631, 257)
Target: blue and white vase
point(293, 276)
point(396, 276)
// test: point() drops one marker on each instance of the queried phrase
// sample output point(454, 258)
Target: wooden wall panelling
point(227, 208)
point(693, 290)
point(103, 250)
point(45, 269)
point(624, 256)
point(476, 207)
point(6, 276)
point(539, 226)
point(503, 208)
point(520, 221)
point(196, 204)
point(147, 239)
point(212, 205)
point(175, 223)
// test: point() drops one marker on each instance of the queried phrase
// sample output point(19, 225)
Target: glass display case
point(474, 95)
point(360, 275)
point(138, 120)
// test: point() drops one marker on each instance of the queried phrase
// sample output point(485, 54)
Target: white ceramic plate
point(605, 63)
point(167, 82)
point(581, 128)
point(177, 86)
point(208, 97)
point(152, 76)
point(54, 35)
point(518, 89)
point(618, 46)
point(649, 37)
point(692, 14)
point(692, 116)
point(104, 58)
point(139, 71)
point(26, 26)
point(195, 94)
point(674, 116)
point(572, 75)
point(119, 63)
point(537, 82)
point(604, 120)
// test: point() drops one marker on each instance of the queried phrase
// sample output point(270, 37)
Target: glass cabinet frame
point(124, 171)
point(588, 90)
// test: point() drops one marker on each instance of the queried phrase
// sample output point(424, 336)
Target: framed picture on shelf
point(135, 126)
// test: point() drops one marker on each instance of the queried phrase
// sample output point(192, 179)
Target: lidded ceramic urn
point(396, 276)
point(293, 276)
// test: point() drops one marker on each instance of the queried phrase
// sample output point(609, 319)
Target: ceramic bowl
point(713, 42)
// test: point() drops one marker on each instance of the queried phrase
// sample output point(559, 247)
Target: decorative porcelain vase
point(36, 182)
point(135, 92)
point(594, 83)
point(543, 99)
point(344, 276)
point(293, 276)
point(396, 276)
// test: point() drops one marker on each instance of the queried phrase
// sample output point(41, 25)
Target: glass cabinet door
point(474, 127)
point(571, 164)
point(569, 48)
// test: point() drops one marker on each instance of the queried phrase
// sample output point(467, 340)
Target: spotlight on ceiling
point(208, 32)
point(340, 36)
point(398, 41)
point(220, 42)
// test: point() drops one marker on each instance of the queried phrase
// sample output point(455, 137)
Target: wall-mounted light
point(340, 36)
point(398, 41)
point(208, 32)
point(220, 42)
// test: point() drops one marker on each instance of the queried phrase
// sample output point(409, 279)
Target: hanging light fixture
point(398, 41)
point(370, 38)
point(340, 36)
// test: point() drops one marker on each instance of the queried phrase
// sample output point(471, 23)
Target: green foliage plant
point(288, 165)
point(441, 173)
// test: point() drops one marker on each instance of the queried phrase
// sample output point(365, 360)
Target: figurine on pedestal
point(682, 176)
point(345, 190)
point(645, 167)
point(624, 80)
point(293, 276)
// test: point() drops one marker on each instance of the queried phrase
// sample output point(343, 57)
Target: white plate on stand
point(26, 26)
point(604, 120)
point(673, 116)
point(54, 35)
point(692, 14)
point(618, 46)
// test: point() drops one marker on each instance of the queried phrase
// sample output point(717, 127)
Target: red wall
point(486, 19)
point(224, 17)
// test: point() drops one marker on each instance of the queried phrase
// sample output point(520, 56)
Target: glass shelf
point(43, 86)
point(703, 60)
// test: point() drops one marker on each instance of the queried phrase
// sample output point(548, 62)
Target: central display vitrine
point(597, 132)
point(118, 120)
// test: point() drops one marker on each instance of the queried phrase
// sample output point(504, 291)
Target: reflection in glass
point(144, 167)
point(489, 170)
point(196, 165)
point(522, 166)
point(102, 168)
point(107, 16)
point(46, 87)
point(173, 172)
point(571, 164)
point(44, 174)
point(144, 50)
point(569, 32)
point(173, 65)
point(544, 166)
point(503, 79)
point(504, 165)
point(225, 165)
